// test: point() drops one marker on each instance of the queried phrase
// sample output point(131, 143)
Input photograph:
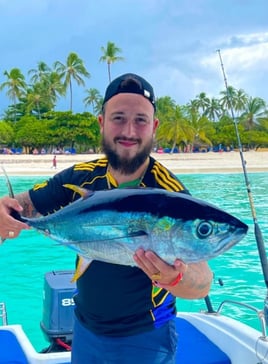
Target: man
point(122, 315)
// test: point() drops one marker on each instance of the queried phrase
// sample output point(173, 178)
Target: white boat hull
point(239, 342)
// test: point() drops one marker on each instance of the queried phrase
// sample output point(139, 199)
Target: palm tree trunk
point(15, 111)
point(71, 96)
point(38, 109)
point(109, 72)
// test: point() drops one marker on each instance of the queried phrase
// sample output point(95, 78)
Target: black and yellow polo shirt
point(112, 299)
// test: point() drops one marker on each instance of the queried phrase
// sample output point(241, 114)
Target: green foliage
point(15, 85)
point(69, 130)
point(30, 121)
point(31, 132)
point(6, 133)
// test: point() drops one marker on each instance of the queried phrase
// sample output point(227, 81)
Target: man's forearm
point(27, 205)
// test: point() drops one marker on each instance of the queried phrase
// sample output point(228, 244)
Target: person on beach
point(122, 315)
point(54, 162)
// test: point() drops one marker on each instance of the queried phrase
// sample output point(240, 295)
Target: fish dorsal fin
point(83, 192)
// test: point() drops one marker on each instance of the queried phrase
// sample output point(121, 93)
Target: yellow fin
point(83, 192)
point(82, 265)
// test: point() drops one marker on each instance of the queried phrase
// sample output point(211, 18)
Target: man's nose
point(129, 128)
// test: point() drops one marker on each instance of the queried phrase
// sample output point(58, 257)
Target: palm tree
point(228, 98)
point(16, 86)
point(213, 110)
point(173, 127)
point(241, 100)
point(202, 101)
point(54, 86)
point(74, 69)
point(233, 99)
point(255, 110)
point(200, 127)
point(110, 56)
point(93, 97)
point(34, 99)
point(38, 101)
point(38, 74)
point(98, 106)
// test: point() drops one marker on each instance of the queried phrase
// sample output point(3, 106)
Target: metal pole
point(257, 230)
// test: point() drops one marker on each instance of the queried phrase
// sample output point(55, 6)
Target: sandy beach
point(225, 162)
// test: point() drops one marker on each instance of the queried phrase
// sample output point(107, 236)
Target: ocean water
point(237, 273)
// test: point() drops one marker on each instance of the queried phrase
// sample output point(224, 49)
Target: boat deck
point(193, 347)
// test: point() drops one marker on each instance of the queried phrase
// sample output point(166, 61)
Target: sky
point(171, 43)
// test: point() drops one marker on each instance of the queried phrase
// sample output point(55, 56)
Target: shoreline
point(178, 163)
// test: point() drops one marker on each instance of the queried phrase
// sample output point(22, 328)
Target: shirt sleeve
point(51, 195)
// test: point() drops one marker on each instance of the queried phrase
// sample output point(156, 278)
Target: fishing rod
point(257, 230)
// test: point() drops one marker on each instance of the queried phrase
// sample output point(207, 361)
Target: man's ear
point(101, 120)
point(156, 124)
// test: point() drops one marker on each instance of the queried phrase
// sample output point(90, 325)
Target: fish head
point(204, 239)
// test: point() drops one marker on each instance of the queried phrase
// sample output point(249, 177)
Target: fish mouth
point(226, 242)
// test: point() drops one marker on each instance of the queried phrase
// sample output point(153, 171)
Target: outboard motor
point(58, 307)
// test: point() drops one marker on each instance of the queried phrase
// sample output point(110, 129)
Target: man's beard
point(126, 165)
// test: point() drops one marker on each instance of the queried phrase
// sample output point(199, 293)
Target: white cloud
point(244, 65)
point(253, 38)
point(173, 46)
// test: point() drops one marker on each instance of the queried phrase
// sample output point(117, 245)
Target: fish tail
point(82, 265)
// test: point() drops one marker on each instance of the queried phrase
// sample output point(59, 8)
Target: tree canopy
point(204, 123)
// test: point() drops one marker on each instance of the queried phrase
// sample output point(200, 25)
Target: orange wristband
point(177, 280)
point(172, 284)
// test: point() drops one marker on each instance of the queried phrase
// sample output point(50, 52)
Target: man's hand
point(187, 281)
point(10, 227)
point(157, 269)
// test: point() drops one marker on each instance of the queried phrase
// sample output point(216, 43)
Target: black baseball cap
point(130, 83)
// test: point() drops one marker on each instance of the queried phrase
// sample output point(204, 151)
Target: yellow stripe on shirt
point(164, 179)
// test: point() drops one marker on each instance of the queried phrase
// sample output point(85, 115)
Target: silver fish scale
point(114, 238)
point(112, 225)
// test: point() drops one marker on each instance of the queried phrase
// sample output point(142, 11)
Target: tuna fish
point(110, 225)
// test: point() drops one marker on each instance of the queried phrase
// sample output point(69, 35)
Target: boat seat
point(13, 353)
point(194, 347)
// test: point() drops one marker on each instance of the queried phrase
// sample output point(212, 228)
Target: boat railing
point(3, 313)
point(259, 313)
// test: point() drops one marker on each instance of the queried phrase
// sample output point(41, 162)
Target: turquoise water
point(24, 261)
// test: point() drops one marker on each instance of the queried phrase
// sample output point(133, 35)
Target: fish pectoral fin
point(139, 233)
point(134, 234)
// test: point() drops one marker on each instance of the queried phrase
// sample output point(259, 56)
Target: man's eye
point(141, 121)
point(118, 119)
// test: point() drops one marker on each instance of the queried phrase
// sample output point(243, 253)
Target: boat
point(206, 337)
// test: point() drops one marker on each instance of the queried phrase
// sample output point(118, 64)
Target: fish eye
point(204, 229)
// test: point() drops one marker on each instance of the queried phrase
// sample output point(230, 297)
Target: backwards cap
point(130, 83)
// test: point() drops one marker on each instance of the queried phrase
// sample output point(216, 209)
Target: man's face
point(128, 128)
